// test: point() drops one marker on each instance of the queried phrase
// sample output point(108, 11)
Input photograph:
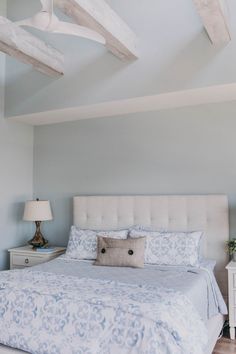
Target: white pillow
point(83, 243)
point(171, 248)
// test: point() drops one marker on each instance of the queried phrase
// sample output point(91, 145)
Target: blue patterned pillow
point(171, 248)
point(145, 228)
point(83, 243)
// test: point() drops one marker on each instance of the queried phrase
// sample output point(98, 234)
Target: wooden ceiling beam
point(214, 18)
point(218, 94)
point(25, 47)
point(98, 16)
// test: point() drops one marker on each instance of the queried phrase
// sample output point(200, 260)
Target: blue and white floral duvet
point(42, 312)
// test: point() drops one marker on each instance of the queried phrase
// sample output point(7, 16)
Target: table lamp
point(37, 211)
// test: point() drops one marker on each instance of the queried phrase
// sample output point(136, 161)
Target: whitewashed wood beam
point(25, 47)
point(160, 102)
point(98, 15)
point(214, 17)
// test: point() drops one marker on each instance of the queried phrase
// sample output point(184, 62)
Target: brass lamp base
point(38, 241)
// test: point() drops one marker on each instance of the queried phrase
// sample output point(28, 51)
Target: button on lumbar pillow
point(120, 253)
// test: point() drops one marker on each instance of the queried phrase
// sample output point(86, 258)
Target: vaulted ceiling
point(174, 53)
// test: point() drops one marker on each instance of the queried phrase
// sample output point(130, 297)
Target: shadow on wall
point(15, 212)
point(2, 89)
point(186, 66)
point(33, 81)
point(232, 215)
point(97, 78)
point(22, 229)
point(57, 230)
point(41, 92)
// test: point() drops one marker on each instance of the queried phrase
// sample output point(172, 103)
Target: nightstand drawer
point(25, 256)
point(231, 267)
point(234, 280)
point(26, 261)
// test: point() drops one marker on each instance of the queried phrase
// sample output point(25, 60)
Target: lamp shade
point(37, 210)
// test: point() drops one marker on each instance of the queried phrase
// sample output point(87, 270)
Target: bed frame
point(178, 213)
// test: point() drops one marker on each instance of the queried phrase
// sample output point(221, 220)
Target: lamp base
point(38, 241)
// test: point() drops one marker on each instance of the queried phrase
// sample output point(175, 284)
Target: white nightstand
point(231, 267)
point(22, 257)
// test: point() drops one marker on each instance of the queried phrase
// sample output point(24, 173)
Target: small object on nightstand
point(37, 211)
point(22, 257)
point(232, 248)
point(45, 250)
point(231, 267)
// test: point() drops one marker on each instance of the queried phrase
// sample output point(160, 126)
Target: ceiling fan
point(47, 21)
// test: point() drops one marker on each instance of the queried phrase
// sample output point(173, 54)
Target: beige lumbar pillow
point(120, 253)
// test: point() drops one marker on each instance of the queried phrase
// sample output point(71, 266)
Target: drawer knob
point(26, 261)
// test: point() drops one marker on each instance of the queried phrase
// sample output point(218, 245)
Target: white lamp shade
point(37, 210)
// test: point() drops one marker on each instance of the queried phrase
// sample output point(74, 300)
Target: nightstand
point(231, 267)
point(22, 257)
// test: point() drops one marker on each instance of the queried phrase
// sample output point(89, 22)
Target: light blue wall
point(175, 54)
point(184, 151)
point(16, 174)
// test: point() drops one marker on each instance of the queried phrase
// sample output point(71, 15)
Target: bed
point(185, 213)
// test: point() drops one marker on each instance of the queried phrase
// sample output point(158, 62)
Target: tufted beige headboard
point(169, 212)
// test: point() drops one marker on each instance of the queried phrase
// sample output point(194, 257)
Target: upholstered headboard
point(177, 213)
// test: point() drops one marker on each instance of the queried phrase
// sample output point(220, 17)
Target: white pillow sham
point(82, 244)
point(170, 248)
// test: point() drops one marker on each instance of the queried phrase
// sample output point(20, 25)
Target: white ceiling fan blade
point(41, 21)
point(76, 30)
point(27, 22)
point(47, 21)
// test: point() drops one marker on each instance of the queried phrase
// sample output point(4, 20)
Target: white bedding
point(80, 308)
point(198, 284)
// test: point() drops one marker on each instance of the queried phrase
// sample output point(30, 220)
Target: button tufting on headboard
point(208, 213)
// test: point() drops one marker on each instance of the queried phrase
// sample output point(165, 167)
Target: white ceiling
point(175, 55)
